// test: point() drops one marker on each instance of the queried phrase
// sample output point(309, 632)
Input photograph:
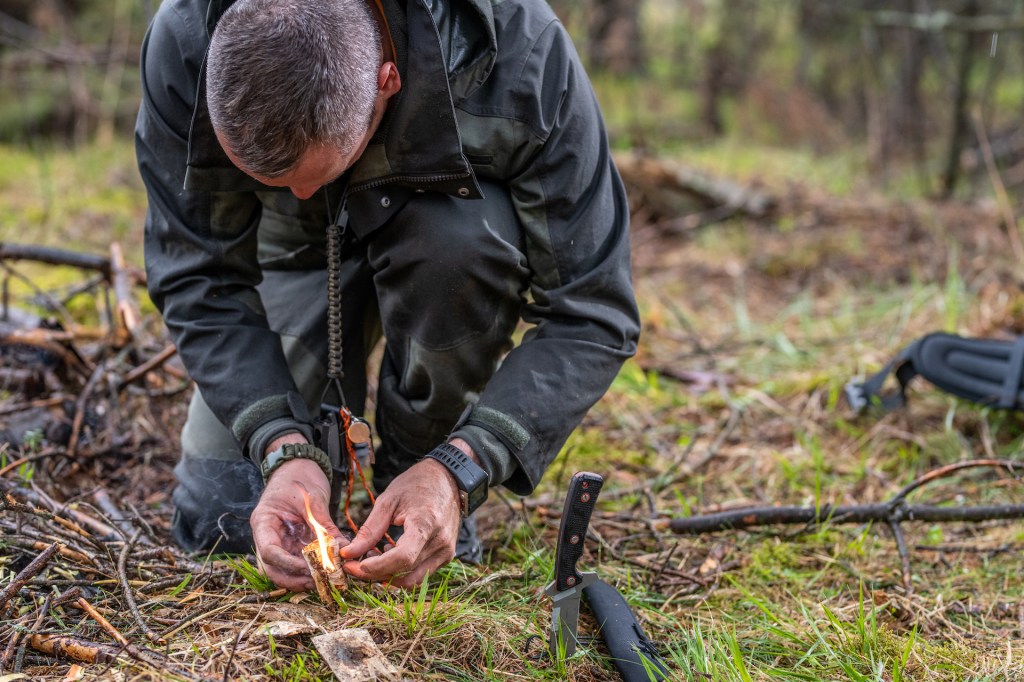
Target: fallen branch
point(102, 622)
point(670, 189)
point(740, 519)
point(55, 256)
point(893, 512)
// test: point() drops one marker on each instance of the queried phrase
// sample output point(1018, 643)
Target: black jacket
point(490, 89)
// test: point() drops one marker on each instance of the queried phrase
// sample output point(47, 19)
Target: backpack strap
point(861, 394)
point(984, 371)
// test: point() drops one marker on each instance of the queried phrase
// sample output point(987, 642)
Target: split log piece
point(324, 579)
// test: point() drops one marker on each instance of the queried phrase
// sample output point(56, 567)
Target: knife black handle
point(572, 532)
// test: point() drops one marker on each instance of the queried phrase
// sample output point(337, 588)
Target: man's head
point(297, 87)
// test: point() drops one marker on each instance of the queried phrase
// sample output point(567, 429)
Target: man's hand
point(425, 501)
point(279, 527)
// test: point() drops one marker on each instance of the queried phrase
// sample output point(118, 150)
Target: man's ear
point(388, 80)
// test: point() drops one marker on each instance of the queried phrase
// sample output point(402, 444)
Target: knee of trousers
point(212, 504)
point(217, 487)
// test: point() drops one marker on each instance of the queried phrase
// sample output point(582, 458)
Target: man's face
point(318, 166)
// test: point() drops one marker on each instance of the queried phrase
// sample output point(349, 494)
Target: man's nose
point(304, 192)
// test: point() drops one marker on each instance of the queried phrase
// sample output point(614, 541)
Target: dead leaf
point(283, 628)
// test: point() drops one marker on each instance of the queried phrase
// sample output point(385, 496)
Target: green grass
point(80, 197)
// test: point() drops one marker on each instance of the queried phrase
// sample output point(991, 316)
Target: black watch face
point(477, 496)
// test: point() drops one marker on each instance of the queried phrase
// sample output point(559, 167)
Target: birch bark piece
point(353, 656)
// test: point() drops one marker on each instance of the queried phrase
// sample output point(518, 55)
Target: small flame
point(321, 536)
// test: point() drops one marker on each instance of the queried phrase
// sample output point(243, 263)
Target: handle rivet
point(585, 497)
point(570, 581)
point(574, 540)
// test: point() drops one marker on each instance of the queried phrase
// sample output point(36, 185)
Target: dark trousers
point(443, 281)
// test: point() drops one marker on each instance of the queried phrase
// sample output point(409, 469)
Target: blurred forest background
point(919, 90)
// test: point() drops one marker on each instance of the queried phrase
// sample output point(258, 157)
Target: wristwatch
point(290, 451)
point(469, 476)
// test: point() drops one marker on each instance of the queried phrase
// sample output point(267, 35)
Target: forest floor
point(752, 327)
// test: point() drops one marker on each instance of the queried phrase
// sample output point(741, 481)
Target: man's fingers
point(397, 561)
point(285, 569)
point(405, 557)
point(370, 533)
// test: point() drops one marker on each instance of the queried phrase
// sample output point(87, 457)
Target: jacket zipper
point(379, 182)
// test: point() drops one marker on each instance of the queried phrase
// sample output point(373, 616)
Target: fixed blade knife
point(567, 587)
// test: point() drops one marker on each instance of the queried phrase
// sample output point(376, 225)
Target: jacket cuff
point(274, 409)
point(498, 441)
point(263, 436)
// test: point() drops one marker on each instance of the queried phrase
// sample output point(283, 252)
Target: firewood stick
point(148, 366)
point(128, 316)
point(129, 596)
point(102, 621)
point(34, 567)
point(67, 553)
point(65, 646)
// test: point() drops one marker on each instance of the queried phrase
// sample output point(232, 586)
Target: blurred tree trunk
point(911, 117)
point(961, 123)
point(42, 15)
point(730, 58)
point(614, 42)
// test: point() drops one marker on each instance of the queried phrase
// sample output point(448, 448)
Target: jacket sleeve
point(200, 248)
point(573, 206)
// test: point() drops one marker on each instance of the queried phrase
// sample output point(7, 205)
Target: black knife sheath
point(623, 635)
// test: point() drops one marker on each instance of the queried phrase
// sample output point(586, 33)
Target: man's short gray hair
point(285, 75)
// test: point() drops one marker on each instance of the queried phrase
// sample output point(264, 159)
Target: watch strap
point(469, 476)
point(290, 451)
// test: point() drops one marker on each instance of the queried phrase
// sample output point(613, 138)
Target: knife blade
point(567, 587)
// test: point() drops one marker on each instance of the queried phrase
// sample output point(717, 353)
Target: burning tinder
point(323, 558)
